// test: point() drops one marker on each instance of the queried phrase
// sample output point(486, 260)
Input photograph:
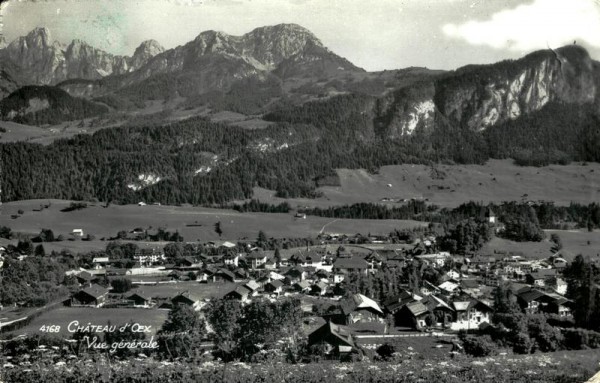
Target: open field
point(106, 222)
point(574, 242)
point(28, 133)
point(496, 181)
point(97, 316)
point(197, 290)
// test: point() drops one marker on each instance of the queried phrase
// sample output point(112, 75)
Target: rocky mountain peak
point(39, 37)
point(145, 51)
point(150, 47)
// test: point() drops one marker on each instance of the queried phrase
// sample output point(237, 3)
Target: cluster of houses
point(462, 300)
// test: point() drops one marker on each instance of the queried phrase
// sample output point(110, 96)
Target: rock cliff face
point(478, 97)
point(44, 62)
point(217, 59)
point(214, 59)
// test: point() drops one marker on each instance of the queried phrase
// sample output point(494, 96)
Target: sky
point(375, 35)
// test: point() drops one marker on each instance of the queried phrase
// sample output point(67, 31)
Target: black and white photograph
point(281, 191)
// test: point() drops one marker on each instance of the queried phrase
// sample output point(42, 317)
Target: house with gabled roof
point(256, 260)
point(295, 274)
point(428, 288)
point(223, 275)
point(232, 259)
point(301, 287)
point(139, 299)
point(443, 312)
point(336, 340)
point(539, 276)
point(274, 287)
point(92, 296)
point(86, 278)
point(396, 302)
point(357, 308)
point(253, 286)
point(240, 293)
point(344, 265)
point(470, 314)
point(413, 314)
point(319, 288)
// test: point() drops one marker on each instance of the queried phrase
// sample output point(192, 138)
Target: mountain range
point(317, 112)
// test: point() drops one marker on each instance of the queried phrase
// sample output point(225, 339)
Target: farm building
point(93, 296)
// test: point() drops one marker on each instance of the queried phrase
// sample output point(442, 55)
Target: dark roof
point(85, 275)
point(543, 273)
point(95, 291)
point(139, 294)
point(340, 334)
point(350, 263)
point(239, 290)
point(276, 283)
point(469, 284)
point(417, 308)
point(531, 295)
point(257, 255)
point(227, 273)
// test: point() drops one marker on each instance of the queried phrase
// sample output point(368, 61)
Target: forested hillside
point(199, 162)
point(40, 105)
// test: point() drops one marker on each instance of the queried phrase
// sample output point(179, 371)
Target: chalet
point(357, 308)
point(253, 287)
point(93, 296)
point(530, 300)
point(240, 274)
point(301, 287)
point(560, 306)
point(100, 262)
point(336, 340)
point(256, 260)
point(428, 288)
point(188, 262)
point(395, 303)
point(232, 259)
point(374, 260)
point(443, 313)
point(343, 265)
point(77, 233)
point(470, 285)
point(470, 314)
point(271, 264)
point(454, 274)
point(205, 274)
point(322, 274)
point(319, 288)
point(223, 275)
point(396, 260)
point(558, 284)
point(435, 260)
point(412, 314)
point(86, 278)
point(274, 287)
point(538, 277)
point(175, 275)
point(448, 287)
point(240, 293)
point(481, 262)
point(295, 274)
point(307, 258)
point(139, 299)
point(495, 279)
point(534, 301)
point(184, 298)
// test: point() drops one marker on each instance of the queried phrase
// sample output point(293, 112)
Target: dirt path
point(328, 223)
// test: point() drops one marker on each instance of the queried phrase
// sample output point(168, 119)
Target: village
point(357, 292)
